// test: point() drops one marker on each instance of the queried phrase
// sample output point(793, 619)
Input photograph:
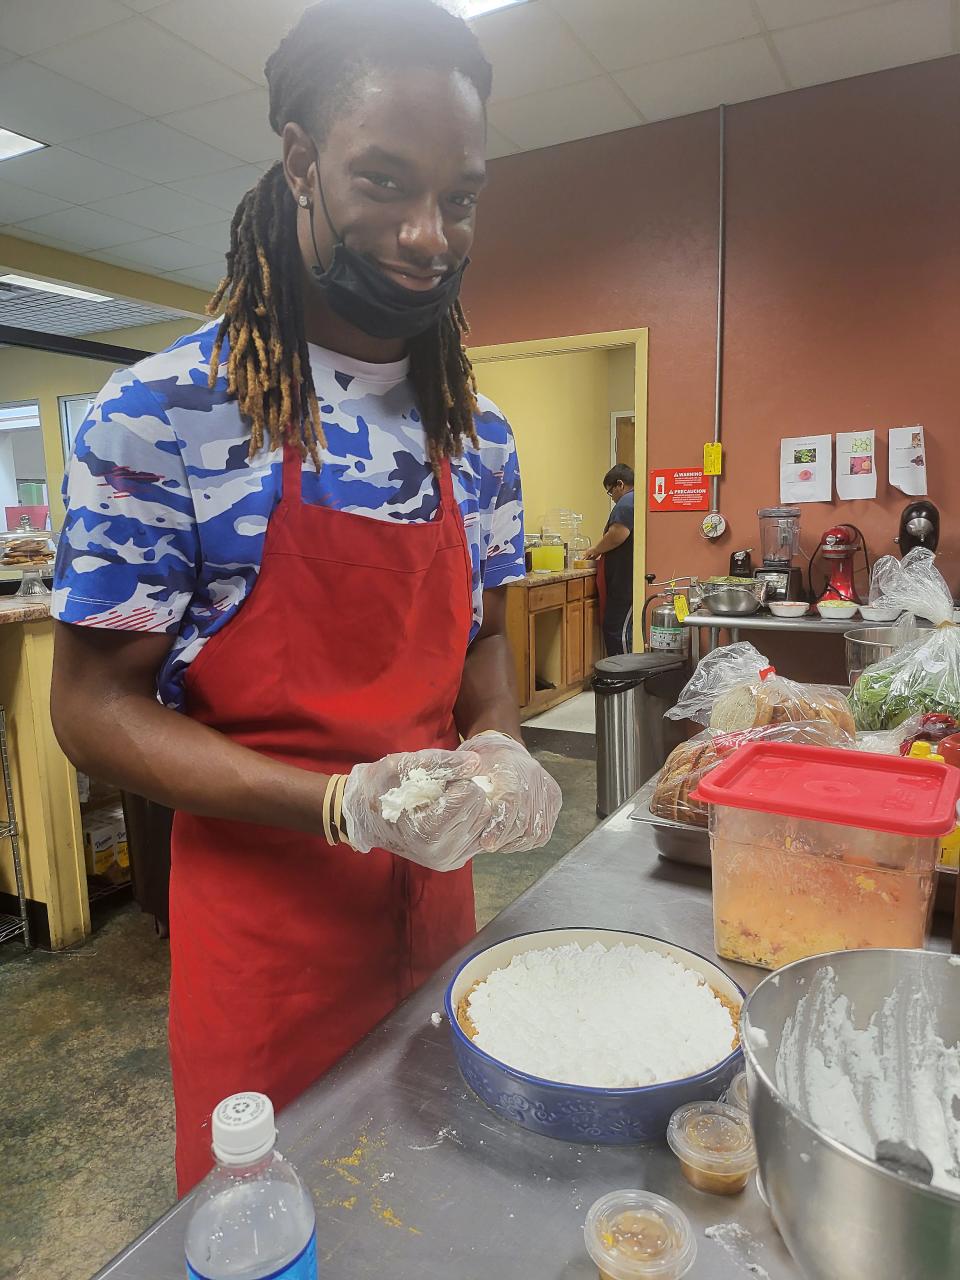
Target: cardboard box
point(99, 845)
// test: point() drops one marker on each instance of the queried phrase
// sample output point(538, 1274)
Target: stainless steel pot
point(867, 645)
point(841, 1215)
point(724, 598)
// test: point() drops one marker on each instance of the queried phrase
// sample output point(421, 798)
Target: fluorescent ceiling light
point(475, 8)
point(15, 144)
point(54, 286)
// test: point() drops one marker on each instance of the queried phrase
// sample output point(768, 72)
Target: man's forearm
point(141, 746)
point(488, 693)
point(609, 542)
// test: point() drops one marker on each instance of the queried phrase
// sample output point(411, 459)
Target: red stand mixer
point(839, 547)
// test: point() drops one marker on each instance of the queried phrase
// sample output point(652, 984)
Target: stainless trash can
point(633, 690)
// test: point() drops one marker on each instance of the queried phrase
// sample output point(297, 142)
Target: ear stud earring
point(303, 201)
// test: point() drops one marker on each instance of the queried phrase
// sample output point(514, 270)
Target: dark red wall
point(843, 284)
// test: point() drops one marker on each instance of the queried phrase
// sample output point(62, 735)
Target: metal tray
point(674, 841)
point(677, 842)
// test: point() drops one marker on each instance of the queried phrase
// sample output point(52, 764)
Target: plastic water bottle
point(252, 1216)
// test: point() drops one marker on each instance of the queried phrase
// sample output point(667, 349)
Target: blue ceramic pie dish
point(581, 1113)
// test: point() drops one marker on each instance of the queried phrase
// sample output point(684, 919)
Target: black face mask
point(361, 294)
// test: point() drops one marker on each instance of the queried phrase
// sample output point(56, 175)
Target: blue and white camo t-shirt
point(167, 514)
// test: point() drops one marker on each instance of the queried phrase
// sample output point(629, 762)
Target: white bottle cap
point(243, 1128)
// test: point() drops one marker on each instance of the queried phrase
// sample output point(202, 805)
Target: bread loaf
point(777, 701)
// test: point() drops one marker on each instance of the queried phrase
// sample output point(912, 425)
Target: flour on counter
point(610, 1018)
point(738, 1244)
point(893, 1080)
point(420, 787)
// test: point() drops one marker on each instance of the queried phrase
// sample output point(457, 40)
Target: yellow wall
point(558, 408)
point(44, 376)
point(621, 369)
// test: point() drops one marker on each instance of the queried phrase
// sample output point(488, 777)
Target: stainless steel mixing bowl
point(867, 645)
point(841, 1215)
point(733, 601)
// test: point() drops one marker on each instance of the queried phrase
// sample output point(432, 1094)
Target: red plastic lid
point(826, 784)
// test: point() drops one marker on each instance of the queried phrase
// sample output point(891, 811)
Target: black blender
point(779, 544)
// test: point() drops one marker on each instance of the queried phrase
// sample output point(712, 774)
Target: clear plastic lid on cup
point(736, 1094)
point(714, 1144)
point(632, 1235)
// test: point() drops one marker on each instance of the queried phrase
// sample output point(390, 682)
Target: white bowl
point(877, 613)
point(840, 610)
point(788, 608)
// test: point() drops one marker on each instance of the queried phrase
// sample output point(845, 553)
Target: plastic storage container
point(252, 1217)
point(631, 1235)
point(817, 849)
point(714, 1144)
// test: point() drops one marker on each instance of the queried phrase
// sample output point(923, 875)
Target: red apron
point(285, 950)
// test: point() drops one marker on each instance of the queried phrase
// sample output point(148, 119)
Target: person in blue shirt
point(615, 553)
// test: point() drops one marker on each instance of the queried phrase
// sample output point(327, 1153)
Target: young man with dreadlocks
point(280, 581)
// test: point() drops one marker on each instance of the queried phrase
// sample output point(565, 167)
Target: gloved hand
point(524, 799)
point(444, 834)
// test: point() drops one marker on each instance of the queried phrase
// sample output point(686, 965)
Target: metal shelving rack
point(10, 925)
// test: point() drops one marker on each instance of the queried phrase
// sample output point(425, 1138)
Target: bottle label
point(303, 1266)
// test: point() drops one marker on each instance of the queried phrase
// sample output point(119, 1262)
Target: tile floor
point(86, 1131)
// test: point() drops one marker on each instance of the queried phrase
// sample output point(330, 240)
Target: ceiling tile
point(206, 276)
point(31, 25)
point(237, 125)
point(158, 209)
point(225, 190)
point(892, 35)
point(241, 33)
point(145, 67)
point(41, 104)
point(794, 13)
point(561, 115)
point(6, 56)
point(164, 253)
point(627, 33)
point(700, 81)
point(215, 236)
point(85, 228)
point(498, 145)
point(154, 152)
point(24, 233)
point(142, 6)
point(531, 49)
point(17, 204)
point(61, 173)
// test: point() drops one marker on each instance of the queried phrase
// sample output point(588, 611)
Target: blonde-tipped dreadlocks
point(310, 76)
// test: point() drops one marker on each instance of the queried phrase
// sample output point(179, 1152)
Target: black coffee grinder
point(919, 526)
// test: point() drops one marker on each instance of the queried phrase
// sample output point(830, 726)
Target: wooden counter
point(553, 625)
point(44, 781)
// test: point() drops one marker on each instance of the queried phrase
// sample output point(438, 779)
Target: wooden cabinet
point(591, 633)
point(554, 636)
point(574, 628)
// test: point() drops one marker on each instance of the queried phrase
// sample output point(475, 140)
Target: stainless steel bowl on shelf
point(732, 601)
point(867, 645)
point(842, 1215)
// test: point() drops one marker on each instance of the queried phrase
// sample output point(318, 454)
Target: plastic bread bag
point(923, 675)
point(692, 760)
point(882, 576)
point(735, 689)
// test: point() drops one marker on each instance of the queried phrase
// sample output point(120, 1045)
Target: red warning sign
point(679, 489)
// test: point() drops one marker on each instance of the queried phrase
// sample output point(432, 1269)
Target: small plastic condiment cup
point(636, 1235)
point(736, 1094)
point(714, 1144)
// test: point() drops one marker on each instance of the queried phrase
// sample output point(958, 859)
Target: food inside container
point(737, 1095)
point(558, 1013)
point(714, 1144)
point(815, 850)
point(635, 1234)
point(27, 549)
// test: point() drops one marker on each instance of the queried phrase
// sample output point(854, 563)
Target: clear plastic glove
point(524, 800)
point(442, 835)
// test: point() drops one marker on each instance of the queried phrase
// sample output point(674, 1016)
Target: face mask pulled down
point(358, 292)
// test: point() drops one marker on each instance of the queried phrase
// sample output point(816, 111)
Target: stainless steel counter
point(413, 1178)
point(713, 623)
